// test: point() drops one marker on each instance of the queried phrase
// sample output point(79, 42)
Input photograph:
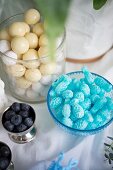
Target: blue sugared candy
point(86, 104)
point(103, 84)
point(67, 94)
point(79, 96)
point(52, 93)
point(78, 111)
point(61, 87)
point(88, 76)
point(102, 93)
point(84, 88)
point(94, 98)
point(66, 110)
point(74, 101)
point(98, 105)
point(80, 124)
point(88, 116)
point(95, 89)
point(109, 103)
point(92, 125)
point(67, 101)
point(55, 102)
point(58, 113)
point(73, 117)
point(67, 122)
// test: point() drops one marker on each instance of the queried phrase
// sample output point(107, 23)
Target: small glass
point(25, 136)
point(11, 165)
point(29, 91)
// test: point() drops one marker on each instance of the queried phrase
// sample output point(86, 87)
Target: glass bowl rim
point(93, 131)
point(18, 133)
point(43, 57)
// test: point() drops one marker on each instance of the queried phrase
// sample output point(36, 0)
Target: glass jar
point(31, 85)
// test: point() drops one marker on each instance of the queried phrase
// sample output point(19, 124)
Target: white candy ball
point(32, 16)
point(59, 69)
point(19, 45)
point(54, 77)
point(37, 87)
point(4, 46)
point(31, 94)
point(46, 80)
point(33, 75)
point(48, 68)
point(60, 56)
point(38, 29)
point(17, 29)
point(11, 59)
point(19, 91)
point(44, 91)
point(31, 59)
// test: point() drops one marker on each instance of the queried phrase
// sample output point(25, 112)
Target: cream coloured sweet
point(32, 39)
point(38, 28)
point(23, 83)
point(33, 75)
point(17, 29)
point(20, 45)
point(32, 16)
point(17, 70)
point(4, 35)
point(48, 68)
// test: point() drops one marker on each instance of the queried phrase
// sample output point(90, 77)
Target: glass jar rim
point(20, 60)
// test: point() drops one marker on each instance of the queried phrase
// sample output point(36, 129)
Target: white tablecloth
point(51, 140)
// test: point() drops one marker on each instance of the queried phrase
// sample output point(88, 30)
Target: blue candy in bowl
point(81, 102)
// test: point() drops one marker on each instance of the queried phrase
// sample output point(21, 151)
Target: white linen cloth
point(51, 140)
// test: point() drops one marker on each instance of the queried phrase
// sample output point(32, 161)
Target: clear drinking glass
point(18, 86)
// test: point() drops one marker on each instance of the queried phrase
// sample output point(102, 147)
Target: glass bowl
point(73, 131)
point(18, 86)
point(11, 165)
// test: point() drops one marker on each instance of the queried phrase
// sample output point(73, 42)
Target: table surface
point(51, 140)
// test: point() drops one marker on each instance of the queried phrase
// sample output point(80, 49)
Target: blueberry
point(9, 114)
point(25, 106)
point(28, 122)
point(16, 107)
point(4, 162)
point(9, 126)
point(24, 114)
point(5, 152)
point(21, 127)
point(16, 120)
